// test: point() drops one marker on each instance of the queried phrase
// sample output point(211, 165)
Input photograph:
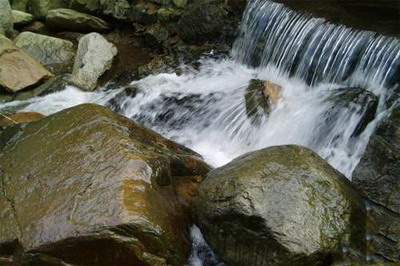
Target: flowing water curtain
point(315, 50)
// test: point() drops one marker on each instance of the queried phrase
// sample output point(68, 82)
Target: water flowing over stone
point(313, 49)
point(309, 58)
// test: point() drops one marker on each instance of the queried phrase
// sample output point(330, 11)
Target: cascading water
point(309, 58)
point(315, 50)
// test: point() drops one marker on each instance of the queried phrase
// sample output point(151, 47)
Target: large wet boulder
point(91, 187)
point(18, 70)
point(280, 206)
point(94, 57)
point(6, 21)
point(68, 19)
point(54, 53)
point(21, 18)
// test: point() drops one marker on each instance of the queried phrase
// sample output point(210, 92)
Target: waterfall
point(311, 59)
point(315, 50)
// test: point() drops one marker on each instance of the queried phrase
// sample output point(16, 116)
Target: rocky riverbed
point(208, 132)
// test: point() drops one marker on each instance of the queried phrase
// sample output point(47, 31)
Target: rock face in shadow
point(92, 188)
point(379, 16)
point(282, 205)
point(377, 176)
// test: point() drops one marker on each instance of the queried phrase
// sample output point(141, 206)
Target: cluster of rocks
point(90, 43)
point(123, 195)
point(91, 187)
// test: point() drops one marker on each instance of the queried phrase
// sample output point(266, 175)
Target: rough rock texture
point(54, 53)
point(94, 56)
point(202, 21)
point(17, 69)
point(21, 5)
point(68, 19)
point(378, 172)
point(280, 206)
point(377, 176)
point(21, 18)
point(41, 8)
point(116, 196)
point(118, 9)
point(6, 22)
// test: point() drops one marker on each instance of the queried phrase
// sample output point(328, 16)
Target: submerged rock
point(54, 53)
point(94, 56)
point(6, 20)
point(115, 196)
point(357, 101)
point(280, 206)
point(21, 18)
point(68, 19)
point(18, 70)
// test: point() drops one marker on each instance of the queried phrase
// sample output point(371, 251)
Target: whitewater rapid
point(205, 110)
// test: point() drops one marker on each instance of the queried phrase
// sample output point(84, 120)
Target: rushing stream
point(205, 110)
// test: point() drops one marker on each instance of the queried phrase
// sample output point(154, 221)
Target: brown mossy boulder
point(89, 187)
point(18, 70)
point(281, 205)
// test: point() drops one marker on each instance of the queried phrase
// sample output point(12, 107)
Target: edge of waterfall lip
point(368, 15)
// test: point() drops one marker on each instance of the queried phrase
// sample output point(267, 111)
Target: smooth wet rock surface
point(282, 205)
point(54, 53)
point(116, 196)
